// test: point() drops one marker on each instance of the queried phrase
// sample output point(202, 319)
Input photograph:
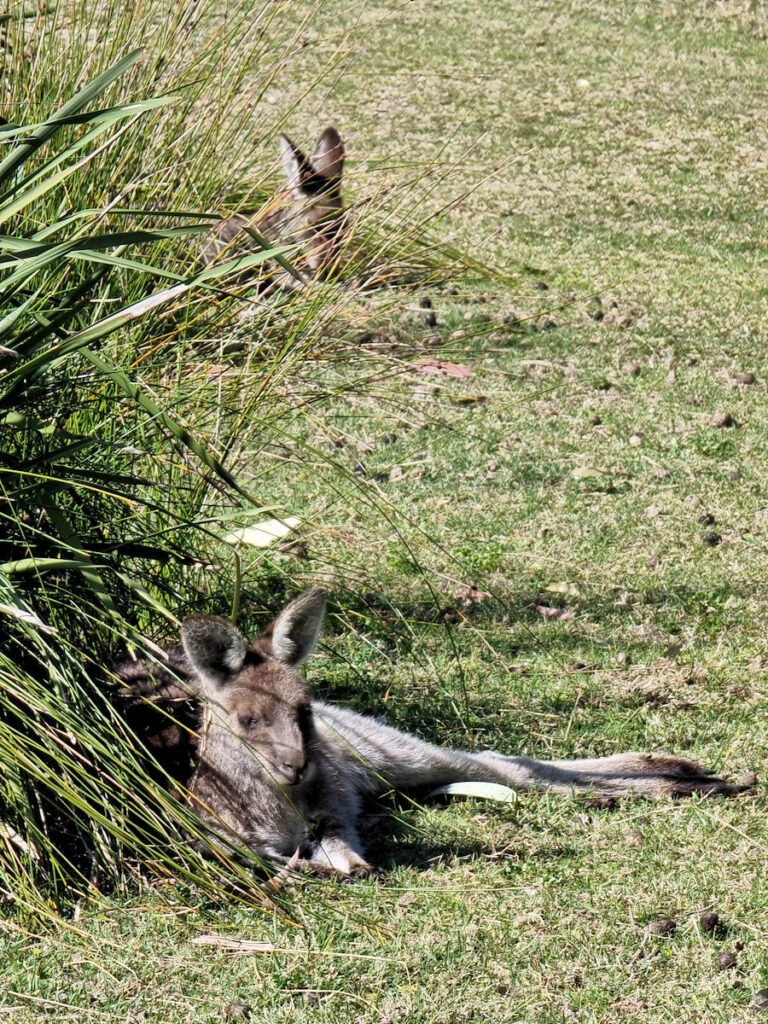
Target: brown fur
point(309, 214)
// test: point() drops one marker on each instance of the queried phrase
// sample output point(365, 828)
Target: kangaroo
point(309, 215)
point(281, 773)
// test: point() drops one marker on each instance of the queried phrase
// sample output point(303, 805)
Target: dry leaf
point(485, 790)
point(561, 614)
point(470, 595)
point(568, 589)
point(261, 535)
point(437, 366)
point(26, 616)
point(10, 835)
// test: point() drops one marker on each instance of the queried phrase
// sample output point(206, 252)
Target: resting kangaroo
point(311, 214)
point(282, 773)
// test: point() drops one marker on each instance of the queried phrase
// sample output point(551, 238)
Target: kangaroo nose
point(294, 771)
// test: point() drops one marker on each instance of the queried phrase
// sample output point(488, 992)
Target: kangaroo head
point(316, 218)
point(261, 721)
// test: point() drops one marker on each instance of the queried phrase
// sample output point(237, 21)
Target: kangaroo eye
point(249, 721)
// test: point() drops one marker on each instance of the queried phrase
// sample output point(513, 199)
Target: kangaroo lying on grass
point(283, 773)
point(311, 214)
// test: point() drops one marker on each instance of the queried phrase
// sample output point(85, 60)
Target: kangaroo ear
point(295, 164)
point(328, 157)
point(214, 647)
point(296, 629)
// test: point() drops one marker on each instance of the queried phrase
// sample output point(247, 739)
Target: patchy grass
point(617, 153)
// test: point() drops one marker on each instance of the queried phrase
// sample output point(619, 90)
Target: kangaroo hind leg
point(654, 775)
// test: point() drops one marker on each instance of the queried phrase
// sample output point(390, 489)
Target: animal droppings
point(664, 927)
point(708, 921)
point(722, 419)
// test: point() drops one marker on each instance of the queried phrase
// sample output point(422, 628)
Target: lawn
point(561, 554)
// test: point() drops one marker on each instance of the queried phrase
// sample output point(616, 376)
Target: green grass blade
point(40, 135)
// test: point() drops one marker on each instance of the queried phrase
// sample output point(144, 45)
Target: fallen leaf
point(437, 366)
point(470, 595)
point(561, 614)
point(485, 790)
point(261, 535)
point(10, 835)
point(569, 589)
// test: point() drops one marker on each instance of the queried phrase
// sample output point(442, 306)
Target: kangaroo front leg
point(341, 851)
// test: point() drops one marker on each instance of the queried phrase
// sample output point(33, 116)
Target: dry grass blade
point(229, 945)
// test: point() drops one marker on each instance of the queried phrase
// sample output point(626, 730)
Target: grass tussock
point(133, 388)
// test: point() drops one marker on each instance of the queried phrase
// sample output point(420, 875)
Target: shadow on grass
point(529, 671)
point(392, 840)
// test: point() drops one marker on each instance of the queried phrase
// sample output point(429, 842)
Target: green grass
point(611, 150)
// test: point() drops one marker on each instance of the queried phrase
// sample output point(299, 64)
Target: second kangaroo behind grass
point(310, 215)
point(281, 773)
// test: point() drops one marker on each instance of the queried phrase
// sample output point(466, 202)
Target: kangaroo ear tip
point(312, 603)
point(317, 601)
point(296, 629)
point(191, 625)
point(203, 625)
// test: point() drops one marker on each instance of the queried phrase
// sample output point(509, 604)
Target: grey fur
point(296, 629)
point(280, 773)
point(215, 648)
